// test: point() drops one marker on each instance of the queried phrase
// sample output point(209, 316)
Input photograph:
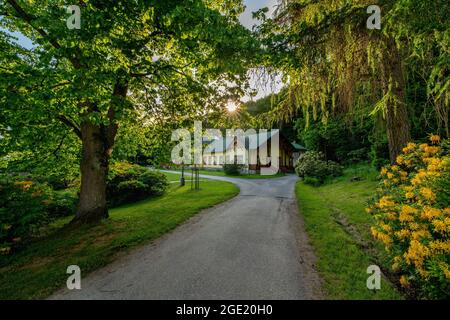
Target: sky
point(252, 6)
point(263, 88)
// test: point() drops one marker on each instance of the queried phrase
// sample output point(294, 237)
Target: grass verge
point(241, 176)
point(339, 229)
point(40, 268)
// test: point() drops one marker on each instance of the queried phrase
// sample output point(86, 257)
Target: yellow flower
point(416, 254)
point(423, 146)
point(428, 194)
point(404, 174)
point(408, 188)
point(419, 177)
point(374, 232)
point(25, 185)
point(402, 234)
point(404, 281)
point(409, 195)
point(423, 273)
point(400, 159)
point(386, 202)
point(439, 226)
point(445, 270)
point(385, 227)
point(419, 235)
point(434, 165)
point(407, 213)
point(426, 159)
point(431, 150)
point(410, 147)
point(430, 213)
point(390, 175)
point(387, 241)
point(383, 171)
point(391, 216)
point(414, 226)
point(440, 246)
point(435, 138)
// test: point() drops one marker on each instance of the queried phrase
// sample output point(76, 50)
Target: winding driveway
point(250, 247)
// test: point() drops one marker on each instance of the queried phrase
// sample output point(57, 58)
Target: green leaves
point(150, 47)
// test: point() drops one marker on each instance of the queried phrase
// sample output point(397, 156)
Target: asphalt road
point(250, 247)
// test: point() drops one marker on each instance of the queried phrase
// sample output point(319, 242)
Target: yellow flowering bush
point(412, 214)
point(23, 211)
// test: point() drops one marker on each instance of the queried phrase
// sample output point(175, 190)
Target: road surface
point(250, 247)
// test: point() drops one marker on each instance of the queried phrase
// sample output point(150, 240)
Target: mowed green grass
point(40, 269)
point(241, 176)
point(342, 263)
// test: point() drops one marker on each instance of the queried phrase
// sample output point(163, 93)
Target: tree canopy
point(333, 63)
point(175, 55)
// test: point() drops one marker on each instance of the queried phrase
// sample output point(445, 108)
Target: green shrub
point(315, 182)
point(23, 211)
point(232, 169)
point(128, 183)
point(361, 171)
point(379, 151)
point(337, 137)
point(312, 164)
point(57, 182)
point(356, 156)
point(64, 204)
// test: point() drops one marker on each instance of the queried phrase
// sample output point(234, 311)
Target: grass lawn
point(339, 230)
point(242, 176)
point(40, 269)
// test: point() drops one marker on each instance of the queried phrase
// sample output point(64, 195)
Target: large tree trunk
point(97, 145)
point(397, 129)
point(94, 170)
point(397, 122)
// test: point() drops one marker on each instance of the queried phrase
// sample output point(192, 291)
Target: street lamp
point(182, 180)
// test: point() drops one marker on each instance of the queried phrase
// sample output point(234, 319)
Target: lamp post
point(182, 180)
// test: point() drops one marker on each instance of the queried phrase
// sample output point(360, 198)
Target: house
point(251, 150)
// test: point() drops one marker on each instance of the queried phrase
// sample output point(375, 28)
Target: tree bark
point(397, 122)
point(94, 170)
point(97, 146)
point(397, 129)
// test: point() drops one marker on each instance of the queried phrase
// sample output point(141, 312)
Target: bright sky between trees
point(262, 87)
